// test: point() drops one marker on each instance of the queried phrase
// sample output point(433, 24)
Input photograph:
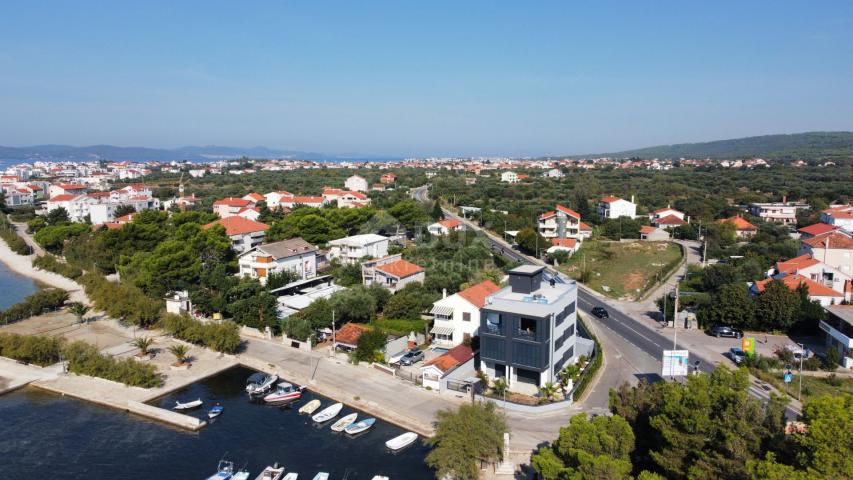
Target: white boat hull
point(345, 422)
point(401, 441)
point(328, 413)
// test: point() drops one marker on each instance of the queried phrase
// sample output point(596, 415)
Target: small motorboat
point(224, 471)
point(344, 422)
point(328, 413)
point(401, 441)
point(360, 426)
point(188, 405)
point(259, 383)
point(215, 411)
point(273, 472)
point(310, 407)
point(321, 476)
point(284, 392)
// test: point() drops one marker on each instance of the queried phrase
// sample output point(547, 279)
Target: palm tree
point(143, 344)
point(180, 352)
point(79, 310)
point(548, 390)
point(500, 386)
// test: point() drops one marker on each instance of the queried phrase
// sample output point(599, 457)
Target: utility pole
point(332, 350)
point(802, 354)
point(674, 319)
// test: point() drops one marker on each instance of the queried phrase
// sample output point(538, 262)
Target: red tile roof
point(450, 223)
point(453, 358)
point(670, 220)
point(585, 228)
point(646, 229)
point(794, 281)
point(610, 199)
point(349, 334)
point(564, 242)
point(232, 202)
point(63, 197)
point(72, 186)
point(834, 240)
point(255, 196)
point(125, 218)
point(305, 200)
point(236, 225)
point(818, 229)
point(476, 294)
point(666, 209)
point(740, 223)
point(796, 263)
point(400, 268)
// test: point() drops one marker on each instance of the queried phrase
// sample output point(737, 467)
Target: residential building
point(356, 183)
point(779, 212)
point(839, 216)
point(273, 199)
point(457, 317)
point(562, 222)
point(388, 178)
point(397, 274)
point(293, 255)
point(743, 229)
point(839, 331)
point(834, 249)
point(444, 227)
point(18, 197)
point(615, 207)
point(306, 201)
point(347, 337)
point(817, 291)
point(231, 206)
point(254, 197)
point(66, 189)
point(815, 270)
point(527, 330)
point(816, 230)
point(509, 177)
point(653, 234)
point(345, 198)
point(245, 234)
point(664, 212)
point(353, 249)
point(441, 367)
point(568, 245)
point(554, 173)
point(77, 205)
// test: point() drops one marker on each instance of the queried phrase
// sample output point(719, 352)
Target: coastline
point(24, 265)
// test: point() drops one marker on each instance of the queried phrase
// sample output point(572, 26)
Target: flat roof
point(539, 303)
point(361, 240)
point(844, 312)
point(527, 269)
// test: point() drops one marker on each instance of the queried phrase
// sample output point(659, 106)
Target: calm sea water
point(45, 435)
point(13, 287)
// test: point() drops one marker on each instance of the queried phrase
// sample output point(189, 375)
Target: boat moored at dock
point(328, 413)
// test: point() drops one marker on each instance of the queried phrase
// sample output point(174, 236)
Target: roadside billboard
point(676, 363)
point(748, 345)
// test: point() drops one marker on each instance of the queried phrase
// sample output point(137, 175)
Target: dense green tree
point(777, 306)
point(622, 227)
point(730, 305)
point(370, 346)
point(530, 242)
point(280, 279)
point(57, 216)
point(123, 210)
point(464, 438)
point(318, 314)
point(347, 275)
point(250, 304)
point(410, 213)
point(437, 213)
point(53, 237)
point(355, 304)
point(826, 449)
point(409, 303)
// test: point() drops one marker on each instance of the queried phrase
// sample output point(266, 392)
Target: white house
point(615, 207)
point(653, 234)
point(352, 249)
point(444, 227)
point(834, 249)
point(292, 255)
point(245, 234)
point(345, 198)
point(66, 189)
point(562, 222)
point(457, 317)
point(509, 177)
point(437, 369)
point(815, 270)
point(230, 206)
point(273, 199)
point(307, 201)
point(568, 245)
point(663, 213)
point(554, 173)
point(817, 292)
point(838, 215)
point(356, 184)
point(77, 205)
point(397, 274)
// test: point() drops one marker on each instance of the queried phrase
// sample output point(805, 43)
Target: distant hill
point(142, 154)
point(805, 146)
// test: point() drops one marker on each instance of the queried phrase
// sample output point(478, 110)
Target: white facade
point(352, 249)
point(356, 184)
point(455, 319)
point(839, 215)
point(614, 207)
point(293, 255)
point(509, 177)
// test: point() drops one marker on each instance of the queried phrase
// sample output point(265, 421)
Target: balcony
point(494, 329)
point(525, 334)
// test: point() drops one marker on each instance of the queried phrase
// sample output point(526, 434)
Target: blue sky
point(419, 78)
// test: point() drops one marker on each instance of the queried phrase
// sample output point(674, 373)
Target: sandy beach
point(24, 265)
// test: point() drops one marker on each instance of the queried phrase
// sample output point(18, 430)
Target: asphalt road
point(633, 331)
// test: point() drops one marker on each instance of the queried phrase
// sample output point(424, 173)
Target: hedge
point(8, 234)
point(85, 359)
point(51, 264)
point(35, 349)
point(121, 300)
point(592, 368)
point(220, 336)
point(42, 301)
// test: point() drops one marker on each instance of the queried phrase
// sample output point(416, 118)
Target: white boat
point(224, 471)
point(344, 422)
point(188, 405)
point(310, 407)
point(360, 426)
point(215, 411)
point(328, 413)
point(259, 383)
point(284, 392)
point(291, 476)
point(241, 475)
point(380, 477)
point(321, 476)
point(401, 441)
point(273, 472)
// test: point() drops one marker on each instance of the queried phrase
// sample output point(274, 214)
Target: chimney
point(784, 199)
point(443, 293)
point(632, 199)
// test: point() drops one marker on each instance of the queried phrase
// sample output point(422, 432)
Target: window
point(527, 328)
point(466, 316)
point(493, 323)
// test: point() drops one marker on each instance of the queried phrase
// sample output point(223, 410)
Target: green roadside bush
point(593, 367)
point(219, 336)
point(85, 359)
point(7, 233)
point(39, 302)
point(122, 301)
point(52, 264)
point(36, 349)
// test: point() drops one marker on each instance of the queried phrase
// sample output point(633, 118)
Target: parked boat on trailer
point(344, 422)
point(188, 405)
point(360, 426)
point(310, 407)
point(328, 413)
point(273, 472)
point(401, 441)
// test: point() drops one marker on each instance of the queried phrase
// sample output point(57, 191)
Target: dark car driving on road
point(600, 312)
point(725, 331)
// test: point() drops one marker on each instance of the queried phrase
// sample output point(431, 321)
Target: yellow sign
point(748, 345)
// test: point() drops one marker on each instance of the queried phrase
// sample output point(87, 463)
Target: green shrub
point(219, 336)
point(51, 264)
point(399, 327)
point(35, 349)
point(121, 300)
point(8, 234)
point(42, 301)
point(369, 343)
point(85, 359)
point(592, 368)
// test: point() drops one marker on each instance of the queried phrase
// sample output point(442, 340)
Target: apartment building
point(349, 250)
point(779, 212)
point(292, 255)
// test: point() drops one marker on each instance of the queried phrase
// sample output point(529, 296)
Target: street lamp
point(802, 354)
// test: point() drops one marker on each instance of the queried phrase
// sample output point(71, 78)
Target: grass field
point(812, 386)
point(622, 270)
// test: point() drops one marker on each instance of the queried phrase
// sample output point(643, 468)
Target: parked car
point(411, 357)
point(600, 312)
point(737, 355)
point(725, 331)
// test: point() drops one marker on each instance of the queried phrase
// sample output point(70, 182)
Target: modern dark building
point(528, 329)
